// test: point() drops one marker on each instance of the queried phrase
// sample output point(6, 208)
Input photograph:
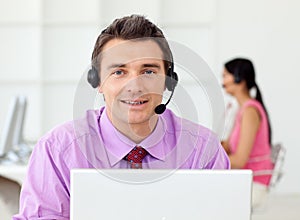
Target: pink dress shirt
point(93, 142)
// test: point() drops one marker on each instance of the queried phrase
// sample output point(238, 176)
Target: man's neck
point(137, 132)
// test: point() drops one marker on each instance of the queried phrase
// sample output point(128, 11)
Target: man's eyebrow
point(116, 65)
point(152, 65)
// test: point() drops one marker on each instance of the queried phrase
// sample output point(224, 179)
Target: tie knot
point(136, 156)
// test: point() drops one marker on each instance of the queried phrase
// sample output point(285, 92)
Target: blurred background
point(46, 45)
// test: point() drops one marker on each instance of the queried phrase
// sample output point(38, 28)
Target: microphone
point(162, 107)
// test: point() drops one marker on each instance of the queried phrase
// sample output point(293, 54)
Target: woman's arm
point(249, 127)
point(225, 145)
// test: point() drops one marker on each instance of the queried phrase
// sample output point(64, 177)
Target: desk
point(16, 172)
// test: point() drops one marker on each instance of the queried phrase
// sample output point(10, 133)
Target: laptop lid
point(160, 194)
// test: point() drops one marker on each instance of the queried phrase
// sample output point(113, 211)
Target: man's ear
point(100, 90)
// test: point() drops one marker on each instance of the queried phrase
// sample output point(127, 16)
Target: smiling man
point(133, 74)
point(132, 66)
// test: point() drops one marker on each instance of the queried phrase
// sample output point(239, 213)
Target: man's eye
point(118, 72)
point(148, 72)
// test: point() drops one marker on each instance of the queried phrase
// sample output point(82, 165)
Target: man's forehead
point(126, 51)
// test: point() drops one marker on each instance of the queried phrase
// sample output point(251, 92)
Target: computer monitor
point(12, 133)
point(18, 134)
point(129, 194)
point(7, 137)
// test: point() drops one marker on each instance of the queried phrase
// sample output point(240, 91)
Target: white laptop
point(160, 194)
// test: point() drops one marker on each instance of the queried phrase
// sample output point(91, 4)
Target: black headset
point(171, 79)
point(93, 77)
point(171, 82)
point(238, 75)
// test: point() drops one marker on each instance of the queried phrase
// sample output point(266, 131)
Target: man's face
point(132, 80)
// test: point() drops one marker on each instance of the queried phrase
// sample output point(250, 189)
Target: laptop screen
point(160, 194)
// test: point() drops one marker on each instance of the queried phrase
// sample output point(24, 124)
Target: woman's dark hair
point(243, 69)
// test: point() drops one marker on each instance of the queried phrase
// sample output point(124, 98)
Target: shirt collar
point(118, 145)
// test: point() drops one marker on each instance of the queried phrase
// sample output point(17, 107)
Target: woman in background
point(249, 143)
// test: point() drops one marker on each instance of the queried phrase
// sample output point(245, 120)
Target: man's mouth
point(130, 102)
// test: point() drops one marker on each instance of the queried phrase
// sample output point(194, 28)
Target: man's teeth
point(134, 102)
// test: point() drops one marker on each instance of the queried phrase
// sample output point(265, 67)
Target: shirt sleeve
point(219, 160)
point(45, 191)
point(210, 153)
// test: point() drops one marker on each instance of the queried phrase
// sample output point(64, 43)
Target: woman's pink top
point(260, 156)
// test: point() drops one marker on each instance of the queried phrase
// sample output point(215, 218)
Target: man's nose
point(135, 83)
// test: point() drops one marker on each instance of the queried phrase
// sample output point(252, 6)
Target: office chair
point(277, 156)
point(278, 153)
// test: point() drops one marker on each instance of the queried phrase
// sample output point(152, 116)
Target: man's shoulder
point(192, 136)
point(179, 124)
point(66, 133)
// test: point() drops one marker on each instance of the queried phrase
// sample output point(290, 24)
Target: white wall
point(46, 46)
point(268, 32)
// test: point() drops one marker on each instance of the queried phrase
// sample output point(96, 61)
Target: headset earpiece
point(171, 79)
point(171, 83)
point(237, 79)
point(237, 74)
point(93, 77)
